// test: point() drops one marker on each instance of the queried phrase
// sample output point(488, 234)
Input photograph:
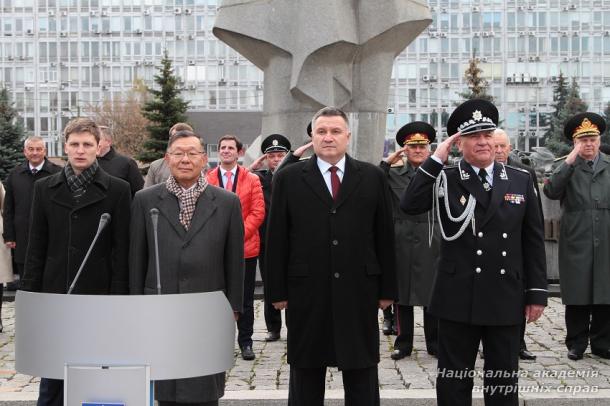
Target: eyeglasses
point(189, 154)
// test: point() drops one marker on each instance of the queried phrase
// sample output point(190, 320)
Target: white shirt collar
point(489, 169)
point(324, 166)
point(38, 168)
point(223, 171)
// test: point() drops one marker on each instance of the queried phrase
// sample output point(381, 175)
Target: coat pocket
point(300, 270)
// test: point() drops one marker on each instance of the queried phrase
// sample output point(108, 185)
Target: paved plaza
point(551, 378)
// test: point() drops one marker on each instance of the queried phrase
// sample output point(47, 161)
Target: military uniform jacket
point(485, 277)
point(584, 239)
point(332, 262)
point(416, 260)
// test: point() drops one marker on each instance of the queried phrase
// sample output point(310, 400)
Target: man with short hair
point(200, 236)
point(330, 264)
point(415, 249)
point(19, 187)
point(582, 184)
point(116, 164)
point(502, 154)
point(274, 149)
point(492, 265)
point(158, 171)
point(67, 209)
point(238, 179)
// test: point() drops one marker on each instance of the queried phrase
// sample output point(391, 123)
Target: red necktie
point(229, 185)
point(334, 182)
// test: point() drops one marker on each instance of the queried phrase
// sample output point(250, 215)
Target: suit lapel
point(169, 208)
point(206, 206)
point(500, 186)
point(351, 179)
point(471, 182)
point(313, 178)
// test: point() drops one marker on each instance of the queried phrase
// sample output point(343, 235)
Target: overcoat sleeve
point(138, 247)
point(8, 211)
point(417, 198)
point(37, 242)
point(257, 207)
point(136, 181)
point(384, 230)
point(234, 258)
point(555, 186)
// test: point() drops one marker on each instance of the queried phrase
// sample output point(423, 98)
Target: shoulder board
point(449, 167)
point(516, 168)
point(561, 158)
point(398, 164)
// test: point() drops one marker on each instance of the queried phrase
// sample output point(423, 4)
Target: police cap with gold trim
point(275, 143)
point(416, 133)
point(473, 116)
point(584, 125)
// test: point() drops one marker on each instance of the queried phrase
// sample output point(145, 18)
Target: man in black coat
point(67, 208)
point(492, 268)
point(19, 187)
point(274, 149)
point(116, 164)
point(502, 154)
point(330, 263)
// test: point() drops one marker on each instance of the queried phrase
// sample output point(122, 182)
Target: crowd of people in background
point(336, 241)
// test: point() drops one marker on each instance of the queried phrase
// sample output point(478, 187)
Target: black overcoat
point(62, 228)
point(122, 167)
point(486, 276)
point(331, 261)
point(19, 188)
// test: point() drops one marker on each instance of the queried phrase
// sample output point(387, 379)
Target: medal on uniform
point(486, 186)
point(463, 200)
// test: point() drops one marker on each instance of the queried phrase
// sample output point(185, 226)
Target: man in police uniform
point(274, 149)
point(416, 258)
point(492, 266)
point(582, 183)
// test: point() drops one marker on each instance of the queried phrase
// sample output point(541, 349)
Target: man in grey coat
point(582, 184)
point(201, 240)
point(416, 256)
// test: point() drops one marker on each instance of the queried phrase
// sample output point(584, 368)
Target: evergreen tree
point(163, 110)
point(477, 85)
point(11, 135)
point(571, 105)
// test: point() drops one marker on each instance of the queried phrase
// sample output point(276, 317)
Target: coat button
point(479, 252)
point(333, 211)
point(336, 275)
point(335, 242)
point(504, 235)
point(74, 216)
point(480, 234)
point(503, 253)
point(502, 271)
point(477, 270)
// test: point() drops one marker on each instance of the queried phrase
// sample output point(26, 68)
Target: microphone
point(154, 218)
point(104, 220)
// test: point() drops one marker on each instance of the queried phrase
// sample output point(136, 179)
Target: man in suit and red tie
point(330, 264)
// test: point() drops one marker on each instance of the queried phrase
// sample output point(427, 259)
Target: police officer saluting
point(492, 266)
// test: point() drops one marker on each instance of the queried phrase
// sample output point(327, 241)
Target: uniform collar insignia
point(464, 175)
point(503, 174)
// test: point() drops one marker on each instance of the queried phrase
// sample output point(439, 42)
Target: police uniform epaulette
point(561, 158)
point(449, 167)
point(398, 164)
point(516, 168)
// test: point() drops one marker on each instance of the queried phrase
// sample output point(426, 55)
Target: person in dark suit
point(274, 149)
point(19, 188)
point(416, 254)
point(492, 268)
point(330, 264)
point(201, 240)
point(116, 164)
point(66, 212)
point(502, 154)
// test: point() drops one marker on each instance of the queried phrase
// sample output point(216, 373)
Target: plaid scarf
point(187, 199)
point(78, 183)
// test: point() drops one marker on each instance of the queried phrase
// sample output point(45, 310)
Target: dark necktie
point(34, 171)
point(483, 177)
point(334, 182)
point(590, 163)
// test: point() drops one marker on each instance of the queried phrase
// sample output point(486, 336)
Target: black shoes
point(247, 354)
point(400, 354)
point(388, 327)
point(575, 355)
point(272, 336)
point(526, 355)
point(601, 353)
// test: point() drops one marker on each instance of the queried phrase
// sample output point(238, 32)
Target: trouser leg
point(245, 323)
point(306, 386)
point(361, 387)
point(404, 321)
point(578, 320)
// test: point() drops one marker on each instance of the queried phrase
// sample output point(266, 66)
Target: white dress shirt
point(324, 169)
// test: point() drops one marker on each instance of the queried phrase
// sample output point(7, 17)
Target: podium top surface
point(178, 336)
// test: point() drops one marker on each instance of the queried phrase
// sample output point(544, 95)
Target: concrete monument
point(316, 53)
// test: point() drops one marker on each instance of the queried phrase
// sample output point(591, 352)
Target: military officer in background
point(582, 184)
point(416, 256)
point(492, 268)
point(274, 149)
